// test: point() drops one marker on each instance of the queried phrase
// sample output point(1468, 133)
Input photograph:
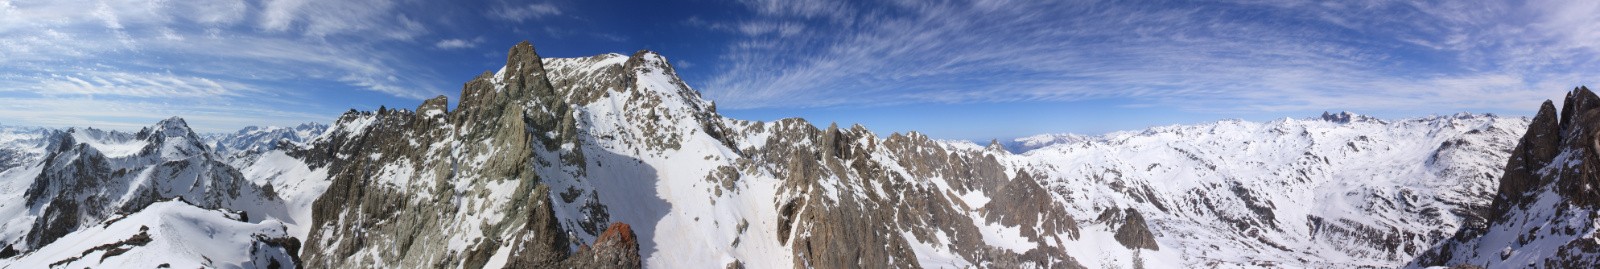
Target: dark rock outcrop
point(1023, 202)
point(1134, 233)
point(614, 248)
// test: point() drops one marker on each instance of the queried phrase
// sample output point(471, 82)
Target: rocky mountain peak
point(173, 122)
point(1578, 100)
point(1579, 139)
point(172, 139)
point(1548, 137)
point(169, 127)
point(1347, 117)
point(653, 71)
point(436, 103)
point(522, 78)
point(647, 59)
point(1536, 149)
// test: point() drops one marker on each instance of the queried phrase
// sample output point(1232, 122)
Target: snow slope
point(1295, 193)
point(169, 234)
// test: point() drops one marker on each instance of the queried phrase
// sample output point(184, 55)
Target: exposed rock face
point(1132, 232)
point(615, 248)
point(844, 206)
point(1022, 201)
point(1545, 212)
point(448, 188)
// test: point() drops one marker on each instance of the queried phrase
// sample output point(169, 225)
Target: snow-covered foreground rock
point(168, 234)
point(612, 161)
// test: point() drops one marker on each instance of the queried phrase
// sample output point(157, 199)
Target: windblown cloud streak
point(1225, 56)
point(168, 56)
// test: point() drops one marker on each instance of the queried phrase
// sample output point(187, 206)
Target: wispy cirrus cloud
point(521, 12)
point(457, 43)
point(100, 83)
point(323, 18)
point(204, 115)
point(174, 57)
point(1229, 55)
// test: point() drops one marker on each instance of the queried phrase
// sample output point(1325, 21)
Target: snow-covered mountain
point(613, 161)
point(1030, 143)
point(1547, 205)
point(21, 145)
point(1288, 193)
point(88, 178)
point(255, 139)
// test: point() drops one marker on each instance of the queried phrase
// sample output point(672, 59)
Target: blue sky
point(952, 69)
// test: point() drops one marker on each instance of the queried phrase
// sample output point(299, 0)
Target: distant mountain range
point(612, 161)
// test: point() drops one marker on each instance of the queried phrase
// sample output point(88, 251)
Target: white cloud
point(1244, 55)
point(326, 18)
point(101, 83)
point(167, 56)
point(519, 13)
point(457, 43)
point(832, 9)
point(203, 115)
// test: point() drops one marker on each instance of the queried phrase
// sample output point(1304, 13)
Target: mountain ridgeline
point(539, 157)
point(612, 161)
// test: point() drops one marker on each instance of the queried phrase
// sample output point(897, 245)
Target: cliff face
point(1544, 214)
